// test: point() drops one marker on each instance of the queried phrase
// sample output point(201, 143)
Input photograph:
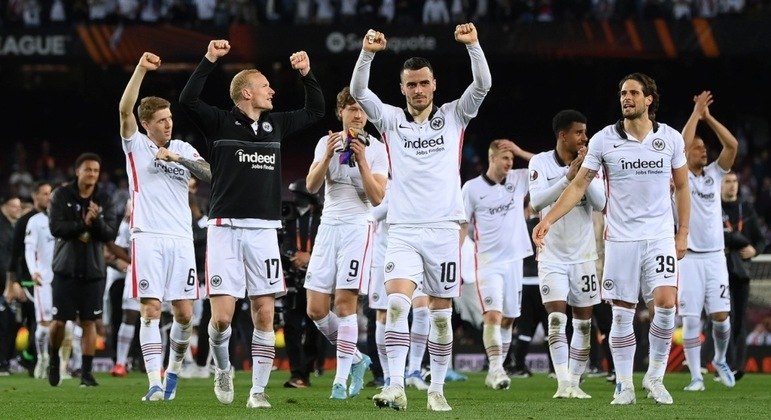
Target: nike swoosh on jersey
point(482, 197)
point(99, 312)
point(554, 177)
point(402, 126)
point(274, 282)
point(617, 145)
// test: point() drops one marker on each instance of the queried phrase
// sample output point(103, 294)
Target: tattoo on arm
point(199, 168)
point(590, 174)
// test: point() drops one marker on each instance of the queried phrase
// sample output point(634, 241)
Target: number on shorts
point(590, 283)
point(272, 262)
point(191, 277)
point(724, 292)
point(668, 266)
point(354, 268)
point(448, 272)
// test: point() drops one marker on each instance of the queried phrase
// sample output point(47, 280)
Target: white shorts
point(44, 302)
point(243, 262)
point(378, 299)
point(426, 255)
point(129, 303)
point(638, 267)
point(163, 268)
point(704, 285)
point(499, 287)
point(575, 284)
point(341, 259)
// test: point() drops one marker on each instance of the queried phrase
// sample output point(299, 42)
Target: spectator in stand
point(387, 11)
point(681, 9)
point(435, 12)
point(325, 12)
point(348, 11)
point(205, 11)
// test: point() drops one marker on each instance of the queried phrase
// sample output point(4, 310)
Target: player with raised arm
point(353, 167)
point(242, 253)
point(639, 156)
point(163, 259)
point(426, 211)
point(704, 270)
point(566, 262)
point(494, 204)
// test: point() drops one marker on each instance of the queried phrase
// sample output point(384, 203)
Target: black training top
point(246, 165)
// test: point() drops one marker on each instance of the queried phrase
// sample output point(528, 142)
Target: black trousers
point(305, 344)
point(532, 313)
point(737, 348)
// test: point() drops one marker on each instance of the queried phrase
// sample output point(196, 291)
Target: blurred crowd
point(39, 13)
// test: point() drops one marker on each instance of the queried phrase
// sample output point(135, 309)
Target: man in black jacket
point(743, 240)
point(82, 219)
point(242, 249)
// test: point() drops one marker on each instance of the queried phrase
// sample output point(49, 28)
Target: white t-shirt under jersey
point(344, 198)
point(495, 210)
point(637, 177)
point(159, 190)
point(571, 238)
point(39, 247)
point(705, 230)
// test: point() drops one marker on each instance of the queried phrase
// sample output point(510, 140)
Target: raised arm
point(313, 110)
point(472, 98)
point(128, 123)
point(700, 104)
point(205, 116)
point(372, 105)
point(730, 145)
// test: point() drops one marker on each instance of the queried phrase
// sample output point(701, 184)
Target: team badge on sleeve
point(533, 175)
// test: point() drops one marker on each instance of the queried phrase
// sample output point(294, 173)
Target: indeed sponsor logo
point(701, 195)
point(255, 157)
point(171, 170)
point(642, 164)
point(423, 144)
point(503, 207)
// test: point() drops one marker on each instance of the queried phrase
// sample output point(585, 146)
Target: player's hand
point(38, 278)
point(333, 144)
point(14, 291)
point(681, 243)
point(300, 62)
point(575, 165)
point(701, 103)
point(166, 155)
point(374, 41)
point(466, 33)
point(539, 233)
point(359, 152)
point(92, 214)
point(149, 61)
point(301, 259)
point(217, 48)
point(748, 251)
point(506, 145)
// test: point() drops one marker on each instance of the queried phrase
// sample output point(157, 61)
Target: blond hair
point(495, 148)
point(239, 82)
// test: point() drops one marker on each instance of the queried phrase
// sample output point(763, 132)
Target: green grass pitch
point(22, 397)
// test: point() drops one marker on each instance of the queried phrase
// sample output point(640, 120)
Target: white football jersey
point(39, 246)
point(159, 190)
point(571, 239)
point(496, 213)
point(705, 230)
point(344, 198)
point(424, 157)
point(637, 175)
